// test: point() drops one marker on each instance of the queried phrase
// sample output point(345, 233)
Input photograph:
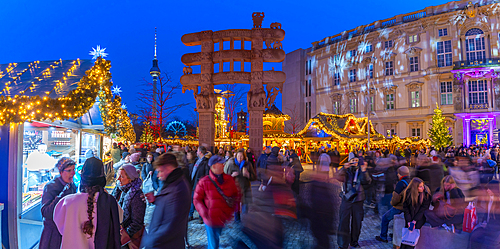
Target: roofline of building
point(398, 20)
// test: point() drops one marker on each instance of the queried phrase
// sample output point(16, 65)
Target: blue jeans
point(388, 216)
point(213, 235)
point(244, 210)
point(191, 210)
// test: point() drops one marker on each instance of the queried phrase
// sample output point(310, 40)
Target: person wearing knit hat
point(134, 160)
point(78, 216)
point(351, 156)
point(128, 194)
point(54, 191)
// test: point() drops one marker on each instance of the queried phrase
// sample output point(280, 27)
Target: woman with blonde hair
point(449, 205)
point(417, 199)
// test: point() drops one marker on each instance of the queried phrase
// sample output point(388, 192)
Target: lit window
point(353, 105)
point(369, 72)
point(415, 99)
point(474, 45)
point(388, 44)
point(444, 55)
point(478, 92)
point(412, 38)
point(389, 101)
point(413, 64)
point(389, 68)
point(369, 48)
point(442, 32)
point(372, 107)
point(415, 132)
point(446, 93)
point(352, 75)
point(336, 108)
point(352, 53)
point(310, 88)
point(336, 79)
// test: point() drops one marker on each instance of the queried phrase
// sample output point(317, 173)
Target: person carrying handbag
point(417, 199)
point(353, 196)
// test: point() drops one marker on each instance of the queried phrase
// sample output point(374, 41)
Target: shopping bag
point(470, 218)
point(410, 237)
point(147, 185)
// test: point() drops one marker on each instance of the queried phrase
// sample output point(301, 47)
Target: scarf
point(126, 192)
point(220, 178)
point(239, 164)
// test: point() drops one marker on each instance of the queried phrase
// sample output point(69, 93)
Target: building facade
point(396, 70)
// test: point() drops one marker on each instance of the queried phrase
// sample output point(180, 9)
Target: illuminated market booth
point(274, 130)
point(348, 133)
point(49, 110)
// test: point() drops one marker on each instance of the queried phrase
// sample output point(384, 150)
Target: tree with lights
point(147, 134)
point(439, 134)
point(157, 105)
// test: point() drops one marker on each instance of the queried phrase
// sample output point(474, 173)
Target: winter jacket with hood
point(210, 204)
point(169, 222)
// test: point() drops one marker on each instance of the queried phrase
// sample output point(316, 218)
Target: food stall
point(48, 110)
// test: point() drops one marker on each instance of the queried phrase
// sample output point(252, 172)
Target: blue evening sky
point(49, 30)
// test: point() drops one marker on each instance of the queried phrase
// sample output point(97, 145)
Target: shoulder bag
point(229, 200)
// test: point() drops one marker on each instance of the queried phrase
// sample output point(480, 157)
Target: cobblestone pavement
point(297, 233)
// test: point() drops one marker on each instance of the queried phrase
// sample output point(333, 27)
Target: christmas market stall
point(274, 130)
point(49, 110)
point(343, 132)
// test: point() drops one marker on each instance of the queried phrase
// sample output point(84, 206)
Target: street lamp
point(371, 91)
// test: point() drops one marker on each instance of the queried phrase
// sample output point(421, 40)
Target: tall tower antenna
point(155, 73)
point(155, 42)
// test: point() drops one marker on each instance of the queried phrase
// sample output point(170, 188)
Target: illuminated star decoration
point(98, 52)
point(124, 106)
point(116, 90)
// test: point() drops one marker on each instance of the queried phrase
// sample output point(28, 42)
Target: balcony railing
point(476, 63)
point(478, 106)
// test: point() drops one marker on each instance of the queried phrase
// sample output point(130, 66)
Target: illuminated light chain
point(96, 82)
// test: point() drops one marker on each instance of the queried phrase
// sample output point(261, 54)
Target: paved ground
point(297, 233)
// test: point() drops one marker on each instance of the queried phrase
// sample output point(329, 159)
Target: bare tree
point(157, 105)
point(233, 99)
point(295, 123)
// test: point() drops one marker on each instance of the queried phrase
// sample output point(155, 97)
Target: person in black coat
point(52, 192)
point(417, 199)
point(198, 170)
point(168, 228)
point(354, 179)
point(262, 163)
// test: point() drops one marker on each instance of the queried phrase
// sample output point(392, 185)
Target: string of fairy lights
point(96, 83)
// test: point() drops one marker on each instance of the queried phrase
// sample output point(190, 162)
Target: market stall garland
point(95, 83)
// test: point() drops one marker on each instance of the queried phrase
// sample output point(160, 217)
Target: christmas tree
point(147, 134)
point(439, 134)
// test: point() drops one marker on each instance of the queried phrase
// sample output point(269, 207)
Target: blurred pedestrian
point(353, 178)
point(199, 170)
point(449, 204)
point(238, 168)
point(54, 191)
point(168, 228)
point(216, 198)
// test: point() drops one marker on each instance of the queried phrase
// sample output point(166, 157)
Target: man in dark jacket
point(168, 226)
point(199, 170)
point(353, 196)
point(262, 163)
point(297, 167)
point(396, 202)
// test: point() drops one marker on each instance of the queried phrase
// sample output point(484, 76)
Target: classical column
point(205, 101)
point(490, 128)
point(256, 96)
point(467, 132)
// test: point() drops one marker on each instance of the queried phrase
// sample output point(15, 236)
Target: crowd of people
point(175, 183)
